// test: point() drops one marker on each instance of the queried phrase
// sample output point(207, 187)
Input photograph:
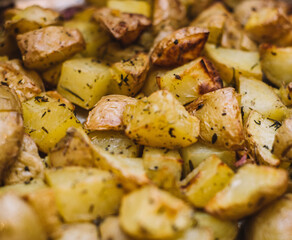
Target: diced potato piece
point(285, 93)
point(110, 229)
point(282, 146)
point(251, 188)
point(52, 75)
point(154, 214)
point(85, 15)
point(211, 176)
point(84, 81)
point(160, 121)
point(18, 220)
point(276, 62)
point(8, 45)
point(48, 46)
point(83, 194)
point(150, 86)
point(257, 95)
point(31, 18)
point(21, 189)
point(46, 120)
point(222, 230)
point(260, 134)
point(128, 76)
point(163, 167)
point(195, 154)
point(232, 63)
point(221, 123)
point(78, 231)
point(191, 80)
point(116, 143)
point(196, 233)
point(131, 6)
point(180, 47)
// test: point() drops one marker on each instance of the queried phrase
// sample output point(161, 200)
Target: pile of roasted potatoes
point(150, 120)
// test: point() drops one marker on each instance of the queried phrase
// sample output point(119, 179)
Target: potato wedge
point(77, 231)
point(48, 46)
point(107, 114)
point(110, 229)
point(180, 47)
point(154, 214)
point(83, 194)
point(202, 184)
point(220, 116)
point(125, 27)
point(191, 80)
point(160, 121)
point(256, 186)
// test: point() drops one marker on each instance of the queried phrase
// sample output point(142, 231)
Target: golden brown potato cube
point(125, 27)
point(77, 231)
point(251, 188)
point(83, 194)
point(282, 146)
point(273, 222)
point(128, 76)
point(160, 121)
point(150, 86)
point(276, 62)
point(220, 118)
point(150, 213)
point(232, 63)
point(25, 83)
point(202, 184)
point(31, 18)
point(180, 47)
point(52, 75)
point(260, 134)
point(285, 93)
point(191, 80)
point(49, 46)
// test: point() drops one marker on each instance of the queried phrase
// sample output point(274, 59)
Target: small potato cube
point(46, 120)
point(220, 116)
point(110, 229)
point(191, 80)
point(160, 121)
point(150, 213)
point(84, 81)
point(52, 75)
point(180, 47)
point(83, 194)
point(48, 46)
point(251, 188)
point(78, 231)
point(150, 86)
point(211, 176)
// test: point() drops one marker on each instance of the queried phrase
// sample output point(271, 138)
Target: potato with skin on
point(272, 222)
point(77, 231)
point(201, 184)
point(220, 118)
point(190, 81)
point(180, 47)
point(151, 213)
point(25, 83)
point(251, 188)
point(128, 76)
point(110, 229)
point(49, 46)
point(160, 121)
point(125, 27)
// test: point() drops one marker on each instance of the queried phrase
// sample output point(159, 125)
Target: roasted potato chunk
point(52, 75)
point(110, 229)
point(8, 45)
point(160, 121)
point(180, 47)
point(154, 214)
point(196, 233)
point(125, 27)
point(202, 184)
point(191, 80)
point(77, 231)
point(48, 46)
point(220, 118)
point(150, 85)
point(256, 186)
point(285, 93)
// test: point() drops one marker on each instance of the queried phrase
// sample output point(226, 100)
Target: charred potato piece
point(260, 134)
point(107, 114)
point(282, 146)
point(220, 118)
point(125, 27)
point(128, 76)
point(110, 229)
point(77, 231)
point(25, 83)
point(162, 115)
point(154, 214)
point(251, 188)
point(180, 47)
point(191, 80)
point(48, 46)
